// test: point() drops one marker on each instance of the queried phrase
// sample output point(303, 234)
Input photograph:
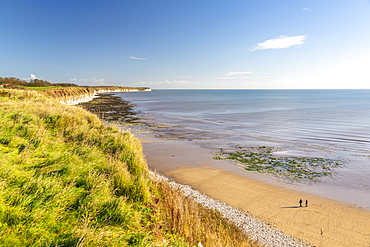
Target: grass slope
point(67, 180)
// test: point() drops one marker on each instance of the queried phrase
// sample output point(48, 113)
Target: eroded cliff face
point(74, 95)
point(69, 94)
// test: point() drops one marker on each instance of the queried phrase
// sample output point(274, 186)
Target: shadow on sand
point(292, 207)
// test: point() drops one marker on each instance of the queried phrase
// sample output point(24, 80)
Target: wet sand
point(324, 222)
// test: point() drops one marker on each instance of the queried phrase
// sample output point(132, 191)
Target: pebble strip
point(261, 232)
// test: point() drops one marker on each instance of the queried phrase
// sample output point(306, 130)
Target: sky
point(188, 44)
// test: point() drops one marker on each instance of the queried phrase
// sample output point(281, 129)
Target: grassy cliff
point(76, 93)
point(68, 180)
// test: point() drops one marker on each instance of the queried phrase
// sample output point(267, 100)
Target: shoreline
point(261, 232)
point(89, 97)
point(221, 128)
point(324, 222)
point(320, 223)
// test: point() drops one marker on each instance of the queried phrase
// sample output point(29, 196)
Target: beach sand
point(324, 222)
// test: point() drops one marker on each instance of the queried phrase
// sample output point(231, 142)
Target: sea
point(332, 124)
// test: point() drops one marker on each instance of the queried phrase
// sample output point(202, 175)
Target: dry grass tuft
point(183, 216)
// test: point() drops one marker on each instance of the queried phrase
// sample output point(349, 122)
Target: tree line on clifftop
point(16, 82)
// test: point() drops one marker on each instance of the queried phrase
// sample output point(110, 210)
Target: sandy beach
point(324, 222)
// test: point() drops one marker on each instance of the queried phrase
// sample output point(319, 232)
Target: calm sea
point(332, 119)
point(317, 123)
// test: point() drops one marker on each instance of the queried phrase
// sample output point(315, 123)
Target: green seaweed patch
point(261, 159)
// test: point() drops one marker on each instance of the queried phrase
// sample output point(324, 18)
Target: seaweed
point(260, 159)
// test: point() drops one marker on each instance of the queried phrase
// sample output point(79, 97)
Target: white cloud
point(89, 80)
point(255, 77)
point(223, 78)
point(232, 75)
point(306, 9)
point(138, 58)
point(238, 73)
point(280, 43)
point(32, 77)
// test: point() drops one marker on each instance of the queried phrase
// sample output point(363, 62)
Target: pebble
point(259, 231)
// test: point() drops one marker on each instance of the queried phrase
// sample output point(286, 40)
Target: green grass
point(68, 180)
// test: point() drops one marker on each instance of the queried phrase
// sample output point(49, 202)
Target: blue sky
point(188, 44)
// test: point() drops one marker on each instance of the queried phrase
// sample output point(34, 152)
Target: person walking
point(306, 203)
point(300, 202)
